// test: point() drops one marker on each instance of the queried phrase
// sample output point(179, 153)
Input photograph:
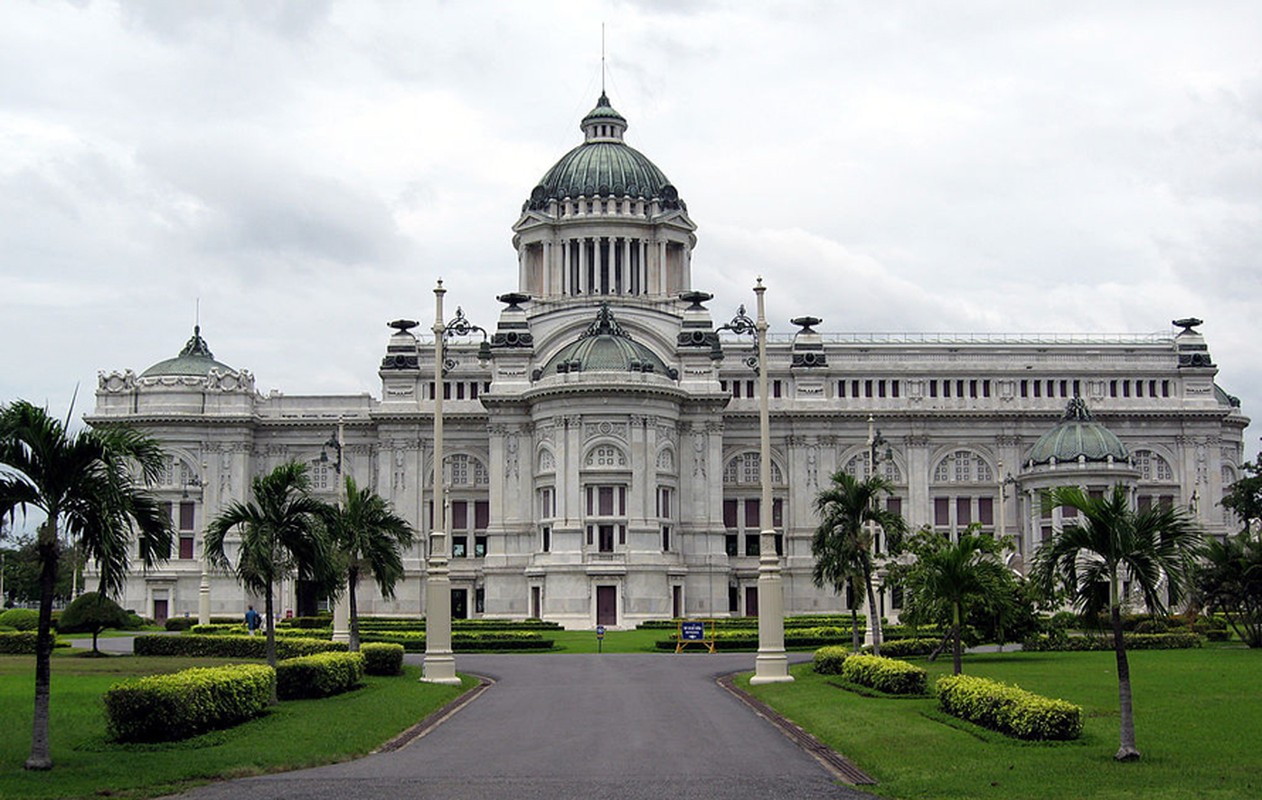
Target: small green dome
point(603, 165)
point(195, 360)
point(1077, 435)
point(606, 347)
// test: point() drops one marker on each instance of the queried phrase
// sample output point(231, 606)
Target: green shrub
point(829, 659)
point(885, 674)
point(1133, 641)
point(382, 658)
point(901, 648)
point(179, 623)
point(18, 643)
point(20, 619)
point(1215, 635)
point(135, 622)
point(229, 646)
point(1155, 625)
point(319, 675)
point(92, 612)
point(319, 621)
point(161, 708)
point(1008, 709)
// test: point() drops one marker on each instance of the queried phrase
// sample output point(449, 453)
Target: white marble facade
point(604, 465)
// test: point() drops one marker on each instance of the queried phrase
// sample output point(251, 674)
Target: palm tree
point(281, 533)
point(948, 578)
point(1154, 549)
point(842, 545)
point(90, 485)
point(371, 539)
point(1230, 581)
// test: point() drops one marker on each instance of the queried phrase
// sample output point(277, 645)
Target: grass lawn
point(633, 641)
point(1198, 721)
point(292, 735)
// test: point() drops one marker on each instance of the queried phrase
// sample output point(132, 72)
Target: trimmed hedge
point(465, 641)
point(163, 708)
point(179, 623)
point(901, 648)
point(229, 646)
point(18, 643)
point(829, 659)
point(1133, 641)
point(319, 675)
point(382, 658)
point(20, 619)
point(748, 640)
point(747, 623)
point(239, 629)
point(885, 674)
point(1007, 709)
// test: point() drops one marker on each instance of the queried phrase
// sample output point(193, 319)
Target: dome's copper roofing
point(195, 359)
point(1077, 435)
point(606, 347)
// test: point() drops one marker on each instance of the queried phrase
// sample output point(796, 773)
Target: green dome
point(195, 360)
point(603, 165)
point(1077, 435)
point(606, 347)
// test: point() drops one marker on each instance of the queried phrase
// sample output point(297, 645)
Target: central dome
point(603, 166)
point(195, 360)
point(1076, 436)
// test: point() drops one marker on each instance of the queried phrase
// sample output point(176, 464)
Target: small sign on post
point(694, 631)
point(600, 638)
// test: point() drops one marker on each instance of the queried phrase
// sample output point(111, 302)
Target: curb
point(420, 729)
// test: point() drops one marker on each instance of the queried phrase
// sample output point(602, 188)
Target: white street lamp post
point(341, 606)
point(771, 664)
point(439, 665)
point(203, 590)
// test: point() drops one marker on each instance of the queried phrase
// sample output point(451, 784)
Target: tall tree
point(843, 541)
point(1230, 581)
point(281, 530)
point(1244, 497)
point(90, 485)
point(371, 540)
point(949, 579)
point(1110, 542)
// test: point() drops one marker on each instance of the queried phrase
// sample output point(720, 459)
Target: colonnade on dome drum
point(604, 265)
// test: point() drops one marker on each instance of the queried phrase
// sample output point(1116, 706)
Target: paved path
point(555, 727)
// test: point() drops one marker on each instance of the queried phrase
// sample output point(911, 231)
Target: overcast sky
point(307, 169)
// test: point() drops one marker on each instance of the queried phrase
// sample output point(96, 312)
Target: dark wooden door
point(160, 611)
point(606, 605)
point(751, 601)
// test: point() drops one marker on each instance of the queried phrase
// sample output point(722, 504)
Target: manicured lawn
point(633, 641)
point(292, 735)
point(1198, 719)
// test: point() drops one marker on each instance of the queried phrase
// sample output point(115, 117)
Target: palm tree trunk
point(873, 611)
point(1126, 750)
point(351, 581)
point(854, 619)
point(271, 639)
point(956, 651)
point(41, 757)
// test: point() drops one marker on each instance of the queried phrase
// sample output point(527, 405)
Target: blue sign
point(600, 631)
point(692, 631)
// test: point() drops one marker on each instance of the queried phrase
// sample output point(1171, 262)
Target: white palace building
point(603, 463)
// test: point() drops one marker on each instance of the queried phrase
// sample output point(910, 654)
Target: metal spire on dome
point(605, 325)
point(1077, 411)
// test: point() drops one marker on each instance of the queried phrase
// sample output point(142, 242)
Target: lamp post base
point(771, 668)
point(440, 668)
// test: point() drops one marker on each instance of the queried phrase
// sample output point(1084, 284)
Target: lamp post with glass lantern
point(439, 664)
point(341, 605)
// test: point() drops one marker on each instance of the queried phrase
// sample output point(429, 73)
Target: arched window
point(963, 466)
point(746, 469)
point(605, 456)
point(547, 461)
point(1152, 467)
point(858, 467)
point(665, 461)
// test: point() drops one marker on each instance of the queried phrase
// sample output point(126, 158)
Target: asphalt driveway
point(578, 726)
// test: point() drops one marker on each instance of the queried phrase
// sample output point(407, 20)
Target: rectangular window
point(933, 388)
point(775, 388)
point(547, 539)
point(731, 544)
point(1025, 388)
point(460, 390)
point(986, 388)
point(1068, 512)
point(894, 505)
point(867, 388)
point(473, 395)
point(481, 515)
point(479, 546)
point(986, 511)
point(941, 511)
point(1064, 388)
point(606, 538)
point(663, 503)
point(894, 388)
point(1077, 389)
point(963, 511)
point(665, 538)
point(605, 507)
point(946, 388)
point(972, 389)
point(459, 546)
point(749, 389)
point(730, 515)
point(1038, 388)
point(446, 390)
point(1152, 388)
point(459, 515)
point(736, 389)
point(841, 389)
point(1165, 388)
point(1139, 388)
point(1112, 388)
point(479, 600)
point(186, 516)
point(854, 388)
point(547, 503)
point(751, 544)
point(1126, 388)
point(752, 514)
point(167, 510)
point(777, 513)
point(186, 547)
